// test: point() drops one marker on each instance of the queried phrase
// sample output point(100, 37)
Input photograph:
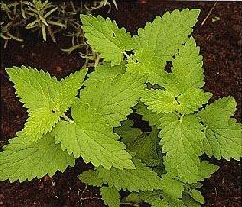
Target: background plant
point(48, 19)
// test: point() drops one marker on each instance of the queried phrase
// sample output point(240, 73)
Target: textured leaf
point(106, 38)
point(191, 100)
point(160, 40)
point(145, 148)
point(127, 132)
point(189, 201)
point(46, 98)
point(147, 115)
point(151, 197)
point(104, 72)
point(223, 134)
point(69, 88)
point(182, 87)
point(154, 198)
point(197, 196)
point(21, 161)
point(92, 139)
point(160, 101)
point(171, 187)
point(90, 177)
point(187, 71)
point(182, 140)
point(110, 196)
point(141, 178)
point(206, 169)
point(112, 98)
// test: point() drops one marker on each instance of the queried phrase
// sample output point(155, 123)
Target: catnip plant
point(162, 167)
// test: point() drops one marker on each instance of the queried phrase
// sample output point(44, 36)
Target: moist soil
point(220, 43)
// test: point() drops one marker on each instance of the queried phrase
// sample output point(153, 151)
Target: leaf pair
point(45, 98)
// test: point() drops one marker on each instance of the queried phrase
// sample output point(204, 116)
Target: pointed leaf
point(113, 97)
point(110, 196)
point(25, 162)
point(147, 115)
point(92, 139)
point(223, 134)
point(141, 178)
point(160, 101)
point(160, 40)
point(182, 140)
point(90, 177)
point(106, 38)
point(46, 98)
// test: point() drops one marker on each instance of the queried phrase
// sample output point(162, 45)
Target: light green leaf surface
point(141, 178)
point(187, 71)
point(206, 169)
point(159, 101)
point(191, 100)
point(90, 177)
point(197, 196)
point(181, 91)
point(105, 37)
point(172, 188)
point(182, 142)
point(110, 196)
point(105, 72)
point(159, 41)
point(20, 161)
point(92, 139)
point(223, 134)
point(163, 101)
point(147, 115)
point(113, 97)
point(45, 97)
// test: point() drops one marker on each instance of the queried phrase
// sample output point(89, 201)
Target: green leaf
point(160, 101)
point(90, 177)
point(206, 170)
point(189, 201)
point(113, 97)
point(69, 88)
point(92, 139)
point(223, 134)
point(182, 141)
point(151, 197)
point(104, 72)
point(172, 188)
point(147, 115)
point(191, 100)
point(141, 178)
point(197, 196)
point(106, 38)
point(46, 98)
point(163, 101)
point(110, 196)
point(181, 91)
point(127, 132)
point(159, 41)
point(167, 202)
point(145, 148)
point(187, 71)
point(154, 198)
point(26, 161)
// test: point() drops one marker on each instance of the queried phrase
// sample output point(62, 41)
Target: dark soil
point(220, 44)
